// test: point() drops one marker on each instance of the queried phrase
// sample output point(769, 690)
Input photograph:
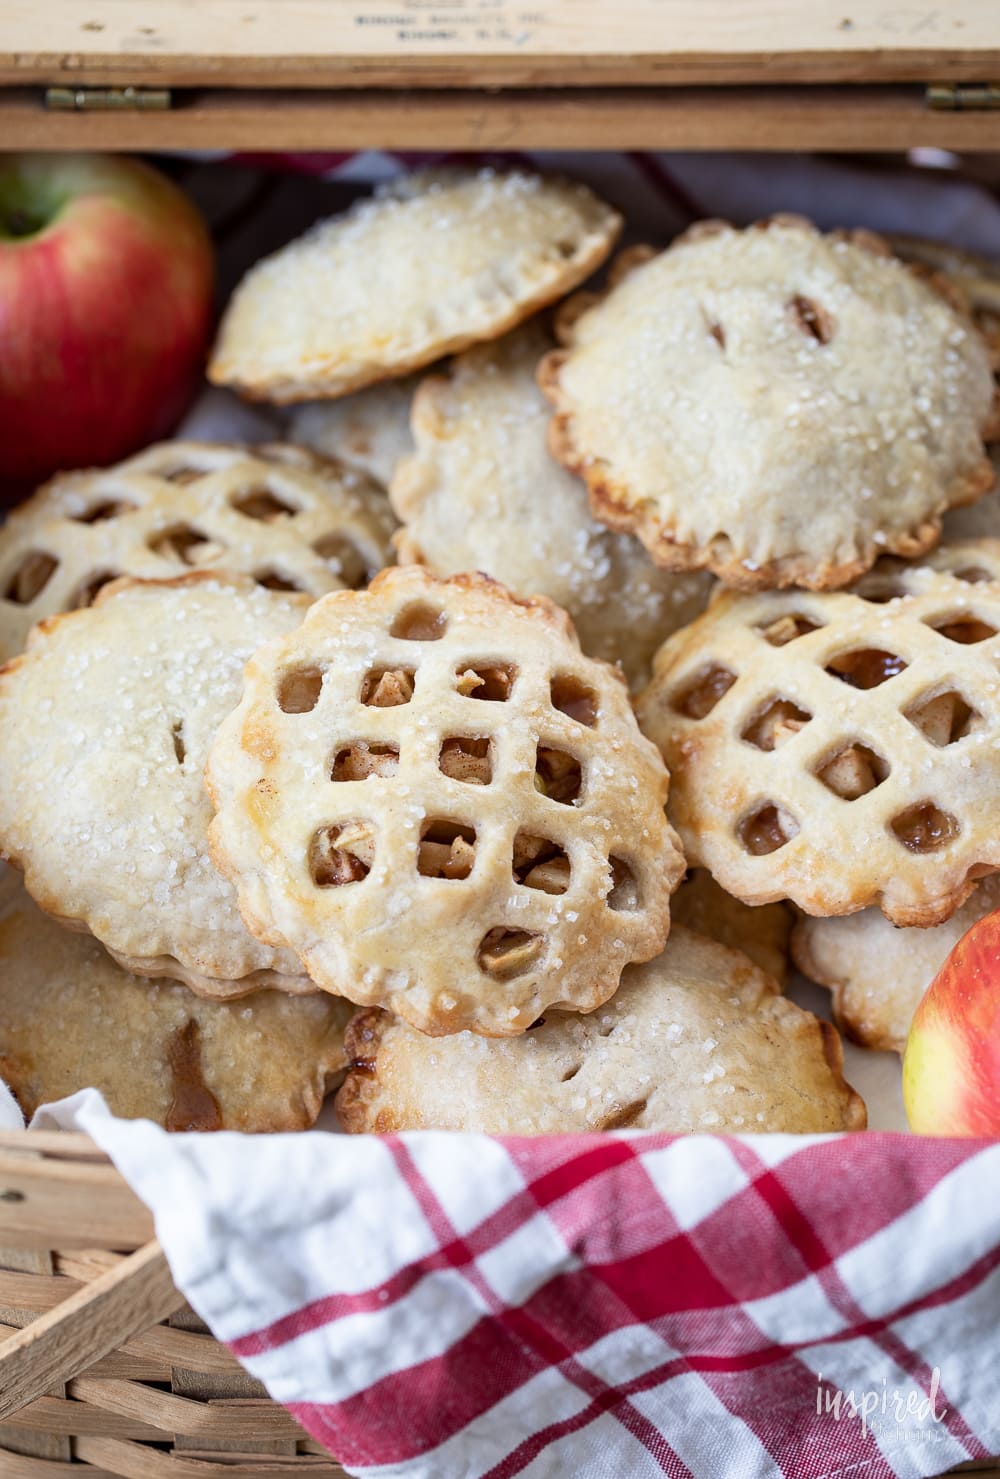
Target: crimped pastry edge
point(610, 501)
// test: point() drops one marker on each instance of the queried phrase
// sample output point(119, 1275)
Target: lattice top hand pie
point(697, 1040)
point(842, 749)
point(291, 519)
point(431, 263)
point(443, 807)
point(778, 406)
point(105, 722)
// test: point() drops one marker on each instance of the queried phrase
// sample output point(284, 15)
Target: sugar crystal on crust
point(775, 405)
point(520, 813)
point(105, 723)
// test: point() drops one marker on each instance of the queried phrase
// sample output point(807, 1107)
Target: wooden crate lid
point(496, 43)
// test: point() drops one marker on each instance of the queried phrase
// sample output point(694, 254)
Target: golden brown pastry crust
point(740, 403)
point(433, 262)
point(480, 492)
point(841, 750)
point(105, 723)
point(697, 1040)
point(290, 518)
point(443, 807)
point(71, 1019)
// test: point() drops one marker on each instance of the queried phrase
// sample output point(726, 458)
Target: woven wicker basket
point(104, 1370)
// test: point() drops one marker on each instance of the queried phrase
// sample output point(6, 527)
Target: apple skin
point(105, 310)
point(951, 1068)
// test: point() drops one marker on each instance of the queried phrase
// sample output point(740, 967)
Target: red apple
point(951, 1071)
point(106, 286)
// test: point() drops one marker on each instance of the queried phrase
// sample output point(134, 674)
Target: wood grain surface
point(476, 43)
point(90, 1323)
point(808, 118)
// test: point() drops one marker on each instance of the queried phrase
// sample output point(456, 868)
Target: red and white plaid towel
point(436, 1306)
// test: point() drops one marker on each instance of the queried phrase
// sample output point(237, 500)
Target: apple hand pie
point(774, 405)
point(70, 1018)
point(443, 807)
point(432, 262)
point(369, 430)
point(763, 933)
point(840, 749)
point(698, 1039)
point(105, 724)
point(878, 973)
point(293, 520)
point(482, 493)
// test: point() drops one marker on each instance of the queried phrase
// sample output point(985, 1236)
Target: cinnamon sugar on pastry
point(774, 405)
point(443, 807)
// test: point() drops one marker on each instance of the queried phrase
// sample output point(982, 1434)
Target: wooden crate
point(502, 74)
point(103, 1368)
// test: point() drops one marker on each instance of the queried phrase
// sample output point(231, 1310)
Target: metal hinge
point(963, 96)
point(108, 99)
